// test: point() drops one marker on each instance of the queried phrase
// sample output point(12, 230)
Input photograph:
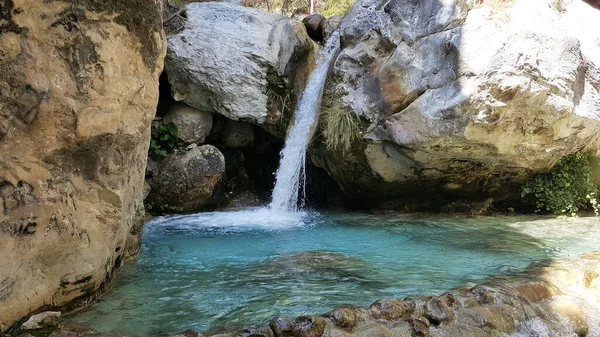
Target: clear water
point(291, 172)
point(214, 271)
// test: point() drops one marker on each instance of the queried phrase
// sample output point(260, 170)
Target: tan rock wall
point(78, 90)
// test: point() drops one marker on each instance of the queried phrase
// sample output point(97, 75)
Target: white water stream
point(290, 176)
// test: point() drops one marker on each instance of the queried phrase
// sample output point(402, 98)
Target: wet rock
point(438, 311)
point(185, 182)
point(255, 332)
point(309, 326)
point(491, 317)
point(374, 330)
point(237, 134)
point(420, 326)
point(282, 326)
point(314, 26)
point(572, 311)
point(42, 320)
point(347, 317)
point(483, 294)
point(390, 309)
point(536, 292)
point(193, 125)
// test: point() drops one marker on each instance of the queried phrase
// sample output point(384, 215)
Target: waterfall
point(291, 173)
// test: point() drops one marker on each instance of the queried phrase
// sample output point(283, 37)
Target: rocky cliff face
point(462, 99)
point(240, 62)
point(78, 91)
point(234, 71)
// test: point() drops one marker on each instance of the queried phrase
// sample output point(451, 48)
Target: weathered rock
point(282, 327)
point(309, 326)
point(438, 311)
point(347, 317)
point(331, 24)
point(240, 62)
point(314, 26)
point(463, 99)
point(237, 134)
point(536, 291)
point(184, 182)
point(42, 320)
point(483, 294)
point(78, 90)
point(391, 308)
point(193, 125)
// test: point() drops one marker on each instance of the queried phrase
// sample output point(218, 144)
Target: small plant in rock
point(341, 128)
point(163, 140)
point(567, 189)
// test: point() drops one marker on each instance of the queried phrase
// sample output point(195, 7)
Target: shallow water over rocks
point(224, 271)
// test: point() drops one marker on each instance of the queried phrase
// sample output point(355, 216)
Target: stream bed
point(227, 270)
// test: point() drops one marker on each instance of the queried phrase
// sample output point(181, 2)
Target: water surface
point(227, 270)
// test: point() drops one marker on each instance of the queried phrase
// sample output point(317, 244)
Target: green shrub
point(163, 140)
point(340, 129)
point(337, 7)
point(567, 188)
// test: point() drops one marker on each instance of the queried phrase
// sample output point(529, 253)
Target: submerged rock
point(78, 91)
point(311, 263)
point(461, 99)
point(185, 182)
point(240, 62)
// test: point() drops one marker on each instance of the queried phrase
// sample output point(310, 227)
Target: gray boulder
point(239, 62)
point(193, 125)
point(463, 99)
point(184, 182)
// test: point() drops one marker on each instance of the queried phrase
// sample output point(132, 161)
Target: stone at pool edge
point(42, 320)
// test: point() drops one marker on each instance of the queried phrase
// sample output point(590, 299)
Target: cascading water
point(291, 172)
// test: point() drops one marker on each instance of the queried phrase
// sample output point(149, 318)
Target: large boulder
point(462, 99)
point(184, 182)
point(78, 91)
point(240, 62)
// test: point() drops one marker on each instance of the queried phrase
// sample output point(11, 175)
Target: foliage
point(340, 129)
point(567, 188)
point(337, 7)
point(163, 140)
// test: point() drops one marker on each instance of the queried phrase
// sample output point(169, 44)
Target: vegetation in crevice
point(567, 188)
point(279, 98)
point(163, 140)
point(340, 129)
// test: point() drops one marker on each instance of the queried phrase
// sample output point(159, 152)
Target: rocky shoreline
point(559, 299)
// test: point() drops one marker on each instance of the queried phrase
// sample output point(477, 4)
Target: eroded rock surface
point(462, 99)
point(184, 182)
point(78, 91)
point(240, 62)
